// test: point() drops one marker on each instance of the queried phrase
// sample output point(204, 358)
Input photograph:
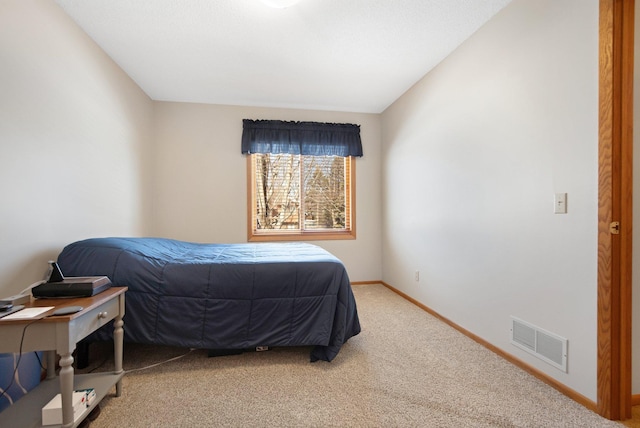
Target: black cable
point(15, 370)
point(39, 360)
point(100, 365)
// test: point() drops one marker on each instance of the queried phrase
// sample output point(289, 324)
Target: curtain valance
point(301, 138)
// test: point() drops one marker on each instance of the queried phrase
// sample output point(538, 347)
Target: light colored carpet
point(406, 369)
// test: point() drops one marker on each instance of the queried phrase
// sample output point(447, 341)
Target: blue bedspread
point(224, 296)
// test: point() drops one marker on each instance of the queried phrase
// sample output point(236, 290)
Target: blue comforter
point(224, 296)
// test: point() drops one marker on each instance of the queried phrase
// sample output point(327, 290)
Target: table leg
point(51, 364)
point(118, 338)
point(66, 389)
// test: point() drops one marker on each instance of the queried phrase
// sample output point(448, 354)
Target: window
point(301, 197)
point(301, 185)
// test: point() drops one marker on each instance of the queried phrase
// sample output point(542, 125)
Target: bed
point(224, 296)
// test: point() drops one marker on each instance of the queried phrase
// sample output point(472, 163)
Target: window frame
point(254, 235)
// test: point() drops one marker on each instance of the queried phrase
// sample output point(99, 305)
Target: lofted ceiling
point(342, 55)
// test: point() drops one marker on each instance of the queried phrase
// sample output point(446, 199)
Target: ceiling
point(342, 55)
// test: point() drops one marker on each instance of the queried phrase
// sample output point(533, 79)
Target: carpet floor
point(406, 369)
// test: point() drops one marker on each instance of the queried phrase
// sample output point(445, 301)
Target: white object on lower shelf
point(52, 412)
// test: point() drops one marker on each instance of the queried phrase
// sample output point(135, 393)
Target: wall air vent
point(549, 347)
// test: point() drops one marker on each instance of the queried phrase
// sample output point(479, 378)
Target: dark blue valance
point(301, 138)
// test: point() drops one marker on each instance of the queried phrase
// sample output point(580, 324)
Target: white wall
point(73, 131)
point(472, 157)
point(200, 182)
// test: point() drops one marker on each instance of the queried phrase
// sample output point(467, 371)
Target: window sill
point(301, 236)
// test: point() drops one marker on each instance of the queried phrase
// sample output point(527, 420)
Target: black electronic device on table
point(58, 285)
point(10, 310)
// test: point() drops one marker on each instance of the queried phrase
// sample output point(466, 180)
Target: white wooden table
point(59, 335)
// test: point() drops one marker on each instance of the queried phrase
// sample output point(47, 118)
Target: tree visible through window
point(294, 194)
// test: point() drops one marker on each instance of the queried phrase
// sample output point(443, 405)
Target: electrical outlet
point(417, 276)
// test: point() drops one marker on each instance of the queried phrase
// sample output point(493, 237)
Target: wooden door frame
point(615, 155)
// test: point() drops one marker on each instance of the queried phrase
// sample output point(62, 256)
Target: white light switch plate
point(560, 203)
